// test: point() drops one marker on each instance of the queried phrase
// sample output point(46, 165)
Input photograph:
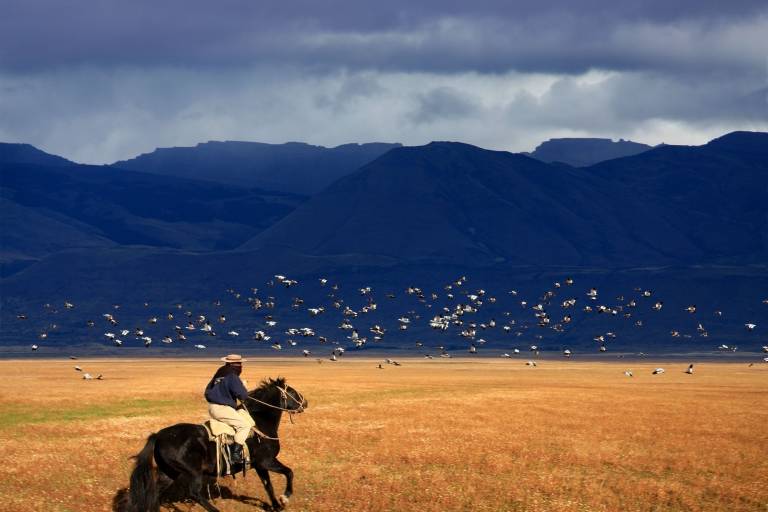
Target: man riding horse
point(222, 393)
point(179, 460)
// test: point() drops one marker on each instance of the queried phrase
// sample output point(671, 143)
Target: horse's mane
point(266, 384)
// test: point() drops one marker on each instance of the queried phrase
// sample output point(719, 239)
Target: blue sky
point(98, 81)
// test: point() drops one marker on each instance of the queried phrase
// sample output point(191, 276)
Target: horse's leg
point(187, 463)
point(278, 467)
point(264, 475)
point(193, 484)
point(164, 483)
point(189, 479)
point(196, 490)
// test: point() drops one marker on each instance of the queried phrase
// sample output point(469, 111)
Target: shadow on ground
point(172, 499)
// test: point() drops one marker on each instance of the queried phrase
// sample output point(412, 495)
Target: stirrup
point(238, 454)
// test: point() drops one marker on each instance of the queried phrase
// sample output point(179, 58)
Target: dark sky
point(102, 80)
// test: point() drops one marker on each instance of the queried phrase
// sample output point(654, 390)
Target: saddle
point(223, 436)
point(217, 429)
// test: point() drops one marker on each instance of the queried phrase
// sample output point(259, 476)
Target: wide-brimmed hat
point(233, 358)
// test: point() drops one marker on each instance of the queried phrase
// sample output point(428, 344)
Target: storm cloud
point(100, 81)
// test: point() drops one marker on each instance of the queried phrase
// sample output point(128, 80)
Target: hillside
point(47, 208)
point(459, 204)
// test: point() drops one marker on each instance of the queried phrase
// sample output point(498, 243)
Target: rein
point(269, 405)
point(262, 434)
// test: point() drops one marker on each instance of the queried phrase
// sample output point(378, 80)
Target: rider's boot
point(237, 453)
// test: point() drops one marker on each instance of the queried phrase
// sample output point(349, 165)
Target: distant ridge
point(293, 167)
point(582, 152)
point(745, 143)
point(11, 153)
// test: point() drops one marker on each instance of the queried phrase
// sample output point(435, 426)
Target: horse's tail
point(143, 493)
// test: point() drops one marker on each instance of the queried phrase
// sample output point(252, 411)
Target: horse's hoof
point(283, 500)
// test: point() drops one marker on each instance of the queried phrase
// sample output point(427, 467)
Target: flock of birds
point(455, 312)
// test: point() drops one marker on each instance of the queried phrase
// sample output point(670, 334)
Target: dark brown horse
point(178, 460)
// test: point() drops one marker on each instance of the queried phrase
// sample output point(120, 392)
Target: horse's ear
point(280, 381)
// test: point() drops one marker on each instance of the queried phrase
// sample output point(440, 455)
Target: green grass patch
point(17, 415)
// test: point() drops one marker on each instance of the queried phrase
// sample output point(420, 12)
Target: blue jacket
point(224, 388)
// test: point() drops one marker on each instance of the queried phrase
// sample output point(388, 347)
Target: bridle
point(284, 396)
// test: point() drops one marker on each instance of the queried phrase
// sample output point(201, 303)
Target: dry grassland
point(481, 435)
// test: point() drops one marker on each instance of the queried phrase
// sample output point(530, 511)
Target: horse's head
point(291, 399)
point(277, 395)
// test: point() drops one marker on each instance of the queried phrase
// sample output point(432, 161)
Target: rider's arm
point(236, 387)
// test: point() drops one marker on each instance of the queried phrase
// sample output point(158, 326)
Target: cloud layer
point(99, 81)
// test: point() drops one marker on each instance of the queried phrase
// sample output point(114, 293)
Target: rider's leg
point(241, 434)
point(236, 420)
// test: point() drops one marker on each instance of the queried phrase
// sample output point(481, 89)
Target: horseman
point(222, 394)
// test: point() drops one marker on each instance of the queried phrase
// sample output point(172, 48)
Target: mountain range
point(453, 203)
point(691, 221)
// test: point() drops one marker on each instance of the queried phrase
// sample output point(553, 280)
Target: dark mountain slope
point(455, 203)
point(49, 208)
point(136, 208)
point(29, 234)
point(715, 195)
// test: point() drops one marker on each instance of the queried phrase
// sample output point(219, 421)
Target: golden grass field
point(440, 435)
